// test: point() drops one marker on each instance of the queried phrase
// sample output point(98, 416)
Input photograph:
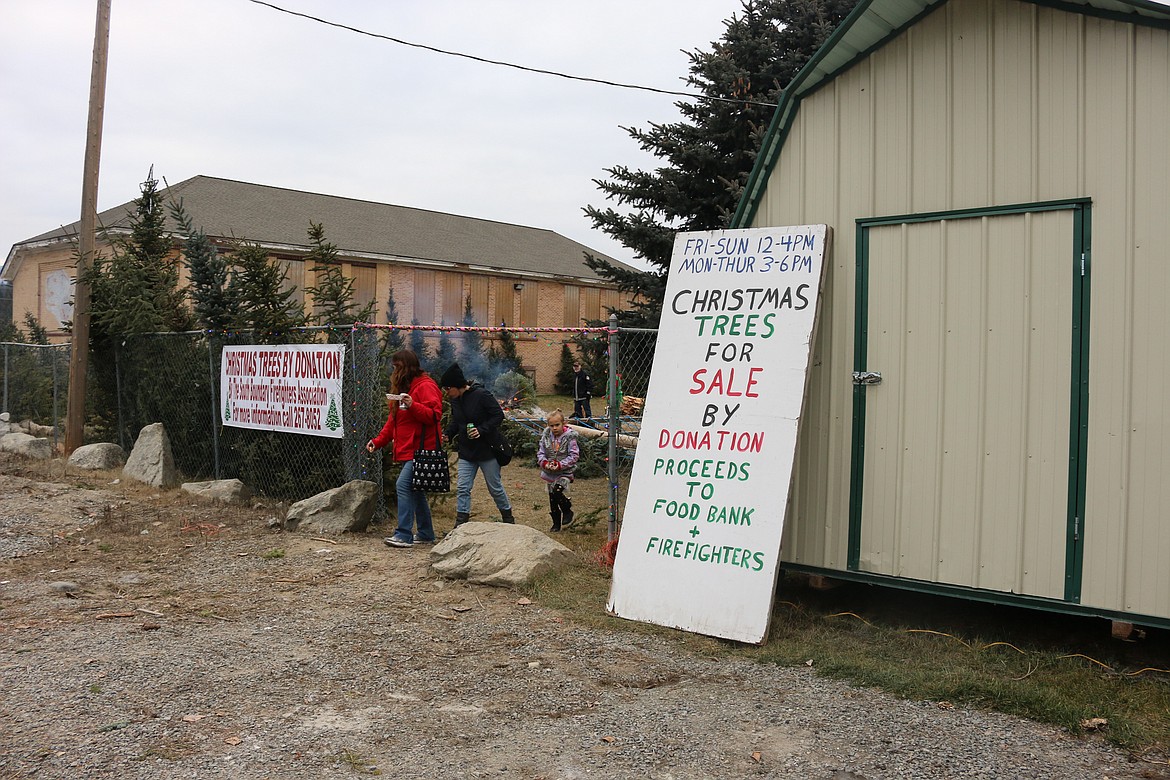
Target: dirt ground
point(148, 634)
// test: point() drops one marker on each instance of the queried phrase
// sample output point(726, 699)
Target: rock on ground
point(225, 491)
point(98, 457)
point(347, 508)
point(499, 554)
point(151, 462)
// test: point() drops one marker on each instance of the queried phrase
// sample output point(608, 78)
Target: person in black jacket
point(582, 392)
point(476, 417)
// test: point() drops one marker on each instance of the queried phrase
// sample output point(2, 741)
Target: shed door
point(962, 453)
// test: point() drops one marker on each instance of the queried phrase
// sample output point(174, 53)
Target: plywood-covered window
point(479, 299)
point(365, 287)
point(452, 298)
point(530, 305)
point(610, 299)
point(572, 317)
point(591, 303)
point(56, 295)
point(294, 277)
point(505, 298)
point(424, 296)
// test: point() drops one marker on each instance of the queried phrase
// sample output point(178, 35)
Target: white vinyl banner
point(291, 387)
point(701, 531)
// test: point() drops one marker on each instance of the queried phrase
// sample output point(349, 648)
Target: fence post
point(118, 393)
point(614, 412)
point(361, 423)
point(213, 382)
point(53, 354)
point(5, 378)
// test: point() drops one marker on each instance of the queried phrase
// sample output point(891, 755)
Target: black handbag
point(502, 449)
point(432, 472)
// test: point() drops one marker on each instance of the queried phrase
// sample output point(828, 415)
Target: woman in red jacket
point(414, 419)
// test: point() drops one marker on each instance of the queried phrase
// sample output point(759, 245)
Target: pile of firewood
point(632, 405)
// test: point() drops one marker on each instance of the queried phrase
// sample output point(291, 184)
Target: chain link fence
point(36, 384)
point(173, 379)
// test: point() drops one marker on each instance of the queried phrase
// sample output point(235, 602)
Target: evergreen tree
point(564, 384)
point(508, 356)
point(37, 333)
point(136, 289)
point(472, 358)
point(265, 306)
point(214, 306)
point(418, 345)
point(708, 156)
point(393, 340)
point(444, 355)
point(333, 302)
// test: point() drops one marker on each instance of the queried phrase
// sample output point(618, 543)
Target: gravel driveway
point(147, 636)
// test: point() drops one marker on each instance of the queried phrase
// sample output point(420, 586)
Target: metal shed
point(997, 174)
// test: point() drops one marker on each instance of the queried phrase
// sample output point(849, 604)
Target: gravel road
point(145, 636)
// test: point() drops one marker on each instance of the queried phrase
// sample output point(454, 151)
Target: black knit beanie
point(453, 377)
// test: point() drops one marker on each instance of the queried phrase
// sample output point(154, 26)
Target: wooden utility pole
point(87, 239)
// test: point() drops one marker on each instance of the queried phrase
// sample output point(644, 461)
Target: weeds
point(1051, 668)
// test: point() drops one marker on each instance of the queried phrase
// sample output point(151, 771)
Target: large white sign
point(700, 539)
point(293, 387)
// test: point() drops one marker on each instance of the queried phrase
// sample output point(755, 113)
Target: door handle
point(867, 377)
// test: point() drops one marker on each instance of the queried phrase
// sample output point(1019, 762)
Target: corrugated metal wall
point(991, 102)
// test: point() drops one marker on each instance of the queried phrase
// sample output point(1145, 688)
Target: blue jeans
point(491, 476)
point(412, 507)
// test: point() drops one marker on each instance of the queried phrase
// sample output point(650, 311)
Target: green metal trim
point(1162, 22)
point(983, 211)
point(973, 594)
point(1079, 411)
point(860, 359)
point(789, 103)
point(773, 141)
point(1079, 423)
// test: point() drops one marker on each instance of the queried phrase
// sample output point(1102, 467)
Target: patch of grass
point(273, 554)
point(1046, 667)
point(988, 656)
point(357, 762)
point(95, 688)
point(105, 547)
point(552, 401)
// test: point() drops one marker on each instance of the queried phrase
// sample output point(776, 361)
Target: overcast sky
point(234, 89)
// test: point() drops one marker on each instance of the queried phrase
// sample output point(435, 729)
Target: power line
point(510, 64)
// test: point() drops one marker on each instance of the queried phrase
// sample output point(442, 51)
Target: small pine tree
point(208, 270)
point(508, 356)
point(37, 333)
point(445, 355)
point(333, 302)
point(264, 304)
point(136, 289)
point(418, 345)
point(472, 358)
point(393, 340)
point(564, 382)
point(595, 360)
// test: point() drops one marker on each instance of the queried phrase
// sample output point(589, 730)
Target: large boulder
point(226, 491)
point(347, 508)
point(26, 446)
point(151, 460)
point(500, 554)
point(98, 457)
